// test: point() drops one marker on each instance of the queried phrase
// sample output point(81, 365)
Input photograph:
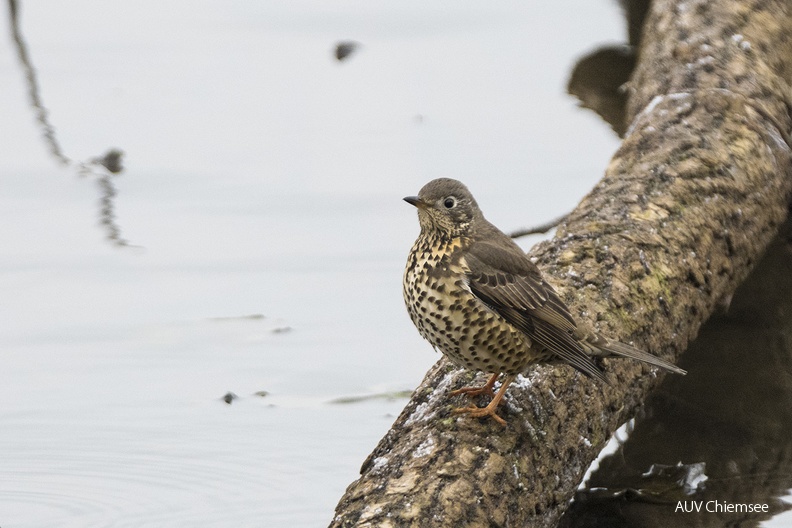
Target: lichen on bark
point(687, 206)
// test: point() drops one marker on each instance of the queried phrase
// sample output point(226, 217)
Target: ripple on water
point(129, 475)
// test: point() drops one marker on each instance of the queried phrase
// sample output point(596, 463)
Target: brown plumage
point(475, 296)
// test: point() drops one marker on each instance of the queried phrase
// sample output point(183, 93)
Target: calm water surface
point(262, 196)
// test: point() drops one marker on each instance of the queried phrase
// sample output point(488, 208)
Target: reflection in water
point(597, 81)
point(107, 218)
point(598, 78)
point(732, 414)
point(33, 90)
point(102, 168)
point(635, 12)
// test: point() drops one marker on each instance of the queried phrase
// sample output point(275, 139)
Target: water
point(262, 200)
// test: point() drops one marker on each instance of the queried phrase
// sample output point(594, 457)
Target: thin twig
point(542, 228)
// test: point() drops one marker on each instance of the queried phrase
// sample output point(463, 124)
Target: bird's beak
point(417, 202)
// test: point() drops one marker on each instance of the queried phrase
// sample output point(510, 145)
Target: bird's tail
point(620, 349)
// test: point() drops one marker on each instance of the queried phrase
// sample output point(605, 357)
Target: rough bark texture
point(688, 204)
point(732, 414)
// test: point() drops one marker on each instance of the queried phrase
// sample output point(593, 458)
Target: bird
point(475, 295)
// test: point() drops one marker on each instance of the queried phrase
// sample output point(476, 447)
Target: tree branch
point(730, 416)
point(687, 206)
point(541, 228)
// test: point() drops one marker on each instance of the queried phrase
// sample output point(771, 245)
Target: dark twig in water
point(102, 168)
point(107, 217)
point(48, 130)
point(542, 228)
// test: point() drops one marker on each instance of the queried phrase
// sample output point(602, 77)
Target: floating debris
point(110, 161)
point(387, 396)
point(251, 317)
point(261, 394)
point(345, 48)
point(229, 397)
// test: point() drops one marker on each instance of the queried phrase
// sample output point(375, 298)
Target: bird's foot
point(485, 389)
point(481, 412)
point(489, 410)
point(472, 392)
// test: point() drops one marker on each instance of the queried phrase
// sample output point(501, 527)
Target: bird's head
point(446, 207)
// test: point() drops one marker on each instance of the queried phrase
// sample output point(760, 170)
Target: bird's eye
point(449, 202)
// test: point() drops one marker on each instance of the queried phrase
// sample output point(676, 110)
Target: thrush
point(474, 295)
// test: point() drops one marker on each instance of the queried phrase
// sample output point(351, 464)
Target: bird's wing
point(507, 279)
point(512, 286)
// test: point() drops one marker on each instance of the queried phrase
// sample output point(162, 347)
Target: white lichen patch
point(522, 381)
point(426, 448)
point(371, 511)
point(379, 463)
point(444, 384)
point(706, 60)
point(740, 41)
point(424, 410)
point(420, 414)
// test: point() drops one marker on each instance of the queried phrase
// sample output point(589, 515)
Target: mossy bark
point(687, 206)
point(732, 415)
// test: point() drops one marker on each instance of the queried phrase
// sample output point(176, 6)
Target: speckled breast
point(452, 319)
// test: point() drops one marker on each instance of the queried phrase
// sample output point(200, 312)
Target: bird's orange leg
point(489, 410)
point(477, 391)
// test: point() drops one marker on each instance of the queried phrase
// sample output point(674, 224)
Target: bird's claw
point(481, 412)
